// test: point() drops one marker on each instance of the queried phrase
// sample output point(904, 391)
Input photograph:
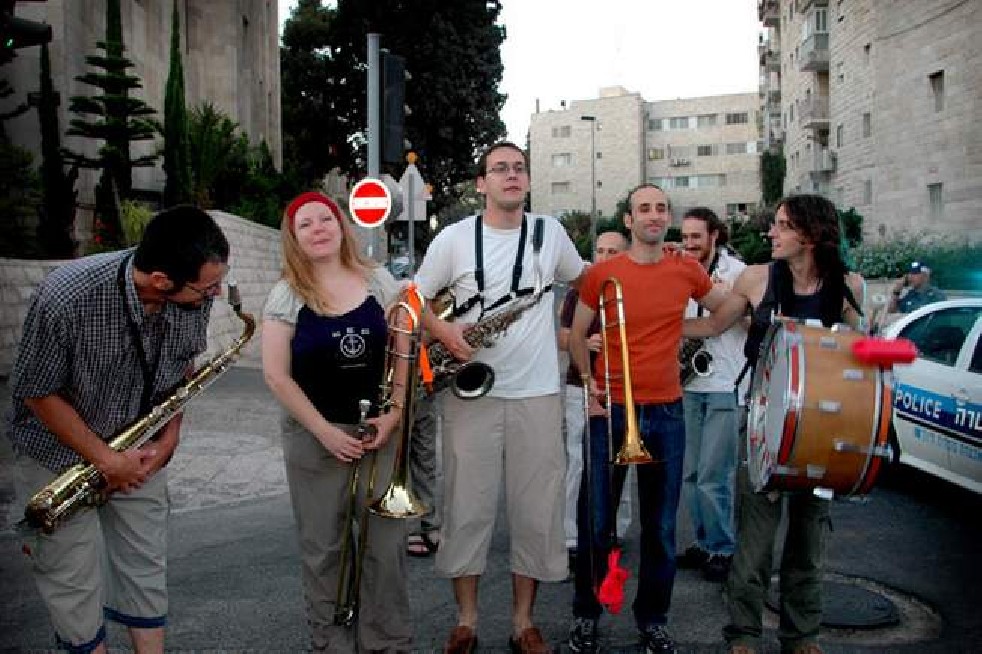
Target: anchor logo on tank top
point(352, 344)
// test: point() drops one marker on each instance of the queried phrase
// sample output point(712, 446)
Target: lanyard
point(149, 372)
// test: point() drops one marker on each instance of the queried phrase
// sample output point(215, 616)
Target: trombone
point(398, 501)
point(632, 450)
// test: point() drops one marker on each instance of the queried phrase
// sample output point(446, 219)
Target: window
point(681, 182)
point(663, 183)
point(866, 52)
point(791, 113)
point(564, 131)
point(600, 155)
point(839, 133)
point(678, 123)
point(939, 336)
point(935, 198)
point(867, 125)
point(937, 88)
point(976, 363)
point(560, 188)
point(706, 120)
point(709, 181)
point(599, 184)
point(676, 151)
point(655, 154)
point(868, 192)
point(736, 148)
point(654, 124)
point(562, 159)
point(737, 118)
point(707, 150)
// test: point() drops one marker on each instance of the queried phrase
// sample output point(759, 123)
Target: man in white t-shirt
point(711, 414)
point(491, 262)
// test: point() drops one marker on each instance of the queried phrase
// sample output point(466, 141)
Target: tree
point(177, 188)
point(115, 119)
point(772, 168)
point(213, 151)
point(453, 94)
point(58, 188)
point(19, 199)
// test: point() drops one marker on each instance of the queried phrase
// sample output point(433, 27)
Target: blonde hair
point(297, 268)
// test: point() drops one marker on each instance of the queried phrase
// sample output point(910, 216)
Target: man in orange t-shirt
point(657, 285)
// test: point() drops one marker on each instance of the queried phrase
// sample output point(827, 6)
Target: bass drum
point(819, 419)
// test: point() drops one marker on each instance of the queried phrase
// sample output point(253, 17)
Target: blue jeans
point(659, 485)
point(709, 473)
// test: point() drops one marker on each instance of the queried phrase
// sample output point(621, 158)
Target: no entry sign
point(370, 202)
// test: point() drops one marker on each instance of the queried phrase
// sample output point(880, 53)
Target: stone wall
point(254, 264)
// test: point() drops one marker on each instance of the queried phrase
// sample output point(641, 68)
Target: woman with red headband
point(323, 344)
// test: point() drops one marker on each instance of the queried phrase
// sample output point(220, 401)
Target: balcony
point(774, 95)
point(771, 61)
point(815, 113)
point(823, 163)
point(814, 53)
point(769, 11)
point(805, 5)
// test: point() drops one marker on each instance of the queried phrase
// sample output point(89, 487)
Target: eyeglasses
point(503, 167)
point(208, 291)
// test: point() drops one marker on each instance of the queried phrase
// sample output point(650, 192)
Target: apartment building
point(875, 105)
point(702, 151)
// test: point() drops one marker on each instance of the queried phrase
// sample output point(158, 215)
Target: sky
point(559, 50)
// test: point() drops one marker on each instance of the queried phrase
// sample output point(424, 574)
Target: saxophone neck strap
point(712, 269)
point(538, 231)
point(149, 370)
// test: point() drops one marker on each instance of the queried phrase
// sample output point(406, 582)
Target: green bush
point(955, 264)
point(134, 216)
point(20, 196)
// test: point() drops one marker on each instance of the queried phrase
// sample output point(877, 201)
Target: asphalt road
point(234, 577)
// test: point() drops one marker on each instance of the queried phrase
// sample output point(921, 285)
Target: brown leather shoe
point(463, 640)
point(529, 641)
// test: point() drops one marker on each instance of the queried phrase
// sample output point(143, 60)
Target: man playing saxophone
point(711, 416)
point(657, 283)
point(106, 337)
point(491, 262)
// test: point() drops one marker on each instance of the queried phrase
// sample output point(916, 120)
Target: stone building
point(702, 151)
point(230, 51)
point(876, 106)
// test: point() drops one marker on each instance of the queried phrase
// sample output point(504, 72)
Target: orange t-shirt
point(655, 297)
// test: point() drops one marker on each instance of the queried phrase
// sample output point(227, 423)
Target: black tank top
point(800, 306)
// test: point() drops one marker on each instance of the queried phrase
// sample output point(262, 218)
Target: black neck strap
point(149, 372)
point(516, 272)
point(712, 269)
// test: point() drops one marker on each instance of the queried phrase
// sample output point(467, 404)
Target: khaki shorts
point(108, 562)
point(522, 438)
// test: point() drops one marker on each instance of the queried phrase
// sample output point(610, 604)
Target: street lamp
point(593, 182)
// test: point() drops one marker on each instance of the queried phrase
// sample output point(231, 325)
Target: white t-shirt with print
point(727, 348)
point(525, 359)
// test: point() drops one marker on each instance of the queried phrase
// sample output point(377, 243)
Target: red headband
point(307, 198)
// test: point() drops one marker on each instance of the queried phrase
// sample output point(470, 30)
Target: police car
point(937, 399)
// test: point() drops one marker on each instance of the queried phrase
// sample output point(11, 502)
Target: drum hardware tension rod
point(823, 493)
point(828, 343)
point(852, 374)
point(829, 406)
point(879, 450)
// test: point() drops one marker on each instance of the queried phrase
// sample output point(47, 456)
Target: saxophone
point(694, 360)
point(470, 380)
point(82, 485)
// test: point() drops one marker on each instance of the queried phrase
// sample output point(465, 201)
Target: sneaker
point(717, 567)
point(693, 558)
point(656, 640)
point(583, 635)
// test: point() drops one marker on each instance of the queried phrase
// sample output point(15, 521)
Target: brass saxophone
point(82, 485)
point(469, 380)
point(694, 360)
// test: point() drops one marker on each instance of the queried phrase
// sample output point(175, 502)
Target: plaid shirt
point(77, 344)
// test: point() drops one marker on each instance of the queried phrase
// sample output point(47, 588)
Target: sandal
point(421, 545)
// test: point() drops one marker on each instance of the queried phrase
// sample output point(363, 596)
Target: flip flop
point(421, 545)
point(416, 546)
